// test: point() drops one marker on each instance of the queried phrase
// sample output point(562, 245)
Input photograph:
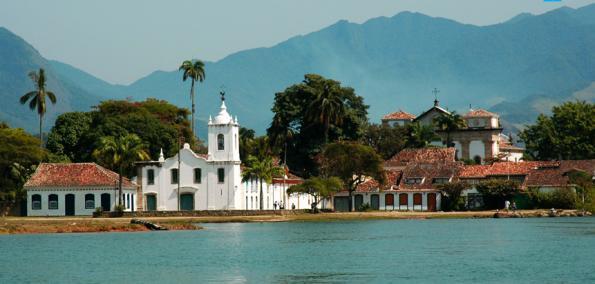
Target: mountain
point(17, 59)
point(519, 68)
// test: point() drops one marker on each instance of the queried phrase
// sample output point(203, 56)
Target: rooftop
point(480, 113)
point(399, 115)
point(74, 175)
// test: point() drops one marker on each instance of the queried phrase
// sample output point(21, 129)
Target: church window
point(89, 201)
point(150, 176)
point(174, 176)
point(221, 175)
point(197, 175)
point(53, 201)
point(220, 142)
point(36, 202)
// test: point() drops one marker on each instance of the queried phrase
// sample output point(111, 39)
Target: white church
point(212, 181)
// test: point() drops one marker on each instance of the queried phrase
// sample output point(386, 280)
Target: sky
point(122, 41)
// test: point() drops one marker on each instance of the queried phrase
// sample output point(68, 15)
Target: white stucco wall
point(79, 200)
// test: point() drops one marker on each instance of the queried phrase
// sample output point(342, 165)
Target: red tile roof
point(399, 115)
point(428, 172)
point(74, 175)
point(372, 185)
point(425, 155)
point(480, 113)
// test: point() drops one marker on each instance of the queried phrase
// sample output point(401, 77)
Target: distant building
point(76, 189)
point(480, 140)
point(400, 118)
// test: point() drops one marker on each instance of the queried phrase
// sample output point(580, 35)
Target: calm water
point(482, 250)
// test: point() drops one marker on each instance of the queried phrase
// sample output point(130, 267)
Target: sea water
point(385, 251)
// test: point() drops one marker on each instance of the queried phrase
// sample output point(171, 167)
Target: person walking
point(506, 205)
point(275, 205)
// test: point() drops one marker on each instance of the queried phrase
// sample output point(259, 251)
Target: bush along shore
point(84, 225)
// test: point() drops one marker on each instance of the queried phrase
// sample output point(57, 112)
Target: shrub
point(451, 192)
point(496, 191)
point(563, 198)
point(365, 207)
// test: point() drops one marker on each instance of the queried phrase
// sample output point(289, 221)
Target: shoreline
point(41, 225)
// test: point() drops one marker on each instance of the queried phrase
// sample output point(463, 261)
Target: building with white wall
point(76, 189)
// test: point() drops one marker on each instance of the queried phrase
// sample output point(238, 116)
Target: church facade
point(481, 139)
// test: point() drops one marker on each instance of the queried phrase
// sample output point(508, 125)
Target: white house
point(76, 189)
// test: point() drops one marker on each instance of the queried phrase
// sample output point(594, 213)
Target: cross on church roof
point(222, 94)
point(435, 92)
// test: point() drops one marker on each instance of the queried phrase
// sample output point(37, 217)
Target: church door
point(151, 202)
point(187, 201)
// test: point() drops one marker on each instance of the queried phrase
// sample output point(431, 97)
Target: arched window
point(36, 202)
point(89, 201)
point(53, 201)
point(220, 142)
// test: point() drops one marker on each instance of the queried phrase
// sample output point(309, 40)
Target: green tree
point(496, 191)
point(36, 98)
point(385, 139)
point(318, 188)
point(449, 123)
point(65, 136)
point(583, 182)
point(246, 142)
point(119, 154)
point(419, 135)
point(195, 70)
point(263, 169)
point(452, 194)
point(353, 163)
point(567, 134)
point(19, 155)
point(327, 107)
point(291, 113)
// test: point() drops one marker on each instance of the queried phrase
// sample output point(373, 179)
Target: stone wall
point(200, 213)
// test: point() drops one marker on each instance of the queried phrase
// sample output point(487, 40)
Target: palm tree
point(327, 107)
point(195, 70)
point(263, 169)
point(448, 124)
point(420, 135)
point(280, 133)
point(37, 98)
point(120, 154)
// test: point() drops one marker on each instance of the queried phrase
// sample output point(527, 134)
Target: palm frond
point(27, 96)
point(52, 97)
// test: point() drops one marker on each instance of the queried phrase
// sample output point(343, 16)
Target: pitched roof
point(436, 108)
point(427, 155)
point(428, 172)
point(74, 175)
point(480, 113)
point(399, 115)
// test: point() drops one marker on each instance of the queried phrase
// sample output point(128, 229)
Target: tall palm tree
point(120, 154)
point(37, 98)
point(195, 70)
point(281, 133)
point(448, 124)
point(263, 169)
point(327, 107)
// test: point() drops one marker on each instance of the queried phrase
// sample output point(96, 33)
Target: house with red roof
point(71, 189)
point(412, 180)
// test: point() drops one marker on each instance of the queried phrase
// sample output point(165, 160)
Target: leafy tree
point(585, 188)
point(19, 155)
point(195, 70)
point(36, 98)
point(318, 188)
point(448, 124)
point(292, 113)
point(262, 169)
point(452, 194)
point(496, 191)
point(156, 122)
point(419, 135)
point(65, 136)
point(566, 135)
point(385, 139)
point(119, 154)
point(353, 163)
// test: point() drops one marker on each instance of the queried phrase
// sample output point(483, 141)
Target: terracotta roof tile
point(74, 175)
point(480, 113)
point(399, 115)
point(427, 155)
